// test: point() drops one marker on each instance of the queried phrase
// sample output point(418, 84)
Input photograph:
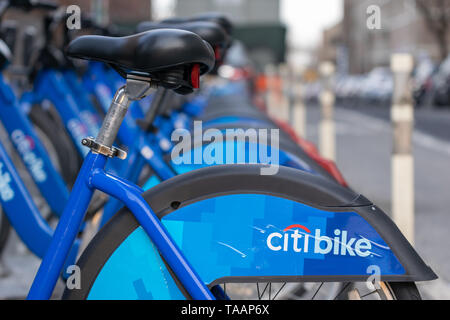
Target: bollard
point(402, 115)
point(271, 85)
point(284, 94)
point(298, 115)
point(327, 138)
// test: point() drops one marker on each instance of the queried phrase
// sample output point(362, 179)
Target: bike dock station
point(198, 154)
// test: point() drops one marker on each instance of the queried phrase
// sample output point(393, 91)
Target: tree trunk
point(442, 43)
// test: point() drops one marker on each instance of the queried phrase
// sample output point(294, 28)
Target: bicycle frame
point(50, 85)
point(31, 150)
point(93, 177)
point(87, 111)
point(22, 213)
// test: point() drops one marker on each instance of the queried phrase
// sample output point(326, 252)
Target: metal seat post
point(136, 88)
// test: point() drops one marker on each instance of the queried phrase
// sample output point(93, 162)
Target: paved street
point(364, 143)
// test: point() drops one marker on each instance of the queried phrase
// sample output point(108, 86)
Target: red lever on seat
point(217, 53)
point(195, 76)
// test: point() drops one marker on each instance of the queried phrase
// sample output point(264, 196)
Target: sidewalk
point(17, 270)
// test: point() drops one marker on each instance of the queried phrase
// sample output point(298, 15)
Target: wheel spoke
point(284, 284)
point(317, 291)
point(270, 290)
point(264, 291)
point(342, 290)
point(368, 294)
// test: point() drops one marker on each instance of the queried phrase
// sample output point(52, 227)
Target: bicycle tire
point(68, 160)
point(124, 224)
point(5, 229)
point(405, 290)
point(121, 231)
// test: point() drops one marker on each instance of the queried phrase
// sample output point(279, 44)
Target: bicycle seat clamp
point(96, 147)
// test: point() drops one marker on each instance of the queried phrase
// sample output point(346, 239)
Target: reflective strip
point(327, 97)
point(402, 63)
point(402, 113)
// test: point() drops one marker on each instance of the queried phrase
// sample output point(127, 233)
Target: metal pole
point(271, 101)
point(402, 115)
point(327, 139)
point(284, 106)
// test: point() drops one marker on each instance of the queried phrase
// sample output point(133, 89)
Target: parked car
point(377, 86)
point(312, 91)
point(441, 84)
point(423, 81)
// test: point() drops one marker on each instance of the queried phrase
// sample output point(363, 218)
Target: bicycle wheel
point(324, 291)
point(235, 251)
point(59, 146)
point(103, 263)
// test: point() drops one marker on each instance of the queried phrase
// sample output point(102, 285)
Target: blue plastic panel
point(246, 236)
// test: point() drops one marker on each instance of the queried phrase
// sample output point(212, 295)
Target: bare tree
point(436, 14)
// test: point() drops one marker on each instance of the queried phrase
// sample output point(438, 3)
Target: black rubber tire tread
point(405, 290)
point(68, 158)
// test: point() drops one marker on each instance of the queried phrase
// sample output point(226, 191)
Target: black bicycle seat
point(174, 58)
point(211, 32)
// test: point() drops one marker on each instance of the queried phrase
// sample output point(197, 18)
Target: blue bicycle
point(15, 118)
point(193, 234)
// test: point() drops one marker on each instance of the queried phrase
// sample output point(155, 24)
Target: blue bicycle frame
point(50, 85)
point(93, 177)
point(31, 150)
point(23, 214)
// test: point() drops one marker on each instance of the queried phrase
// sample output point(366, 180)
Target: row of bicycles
point(196, 192)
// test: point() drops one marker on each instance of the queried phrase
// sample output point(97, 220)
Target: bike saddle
point(172, 58)
point(211, 32)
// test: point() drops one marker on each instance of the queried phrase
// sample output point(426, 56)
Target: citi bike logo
point(25, 146)
point(6, 192)
point(300, 239)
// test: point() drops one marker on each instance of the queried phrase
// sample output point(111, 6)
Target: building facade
point(257, 25)
point(242, 12)
point(403, 29)
point(120, 12)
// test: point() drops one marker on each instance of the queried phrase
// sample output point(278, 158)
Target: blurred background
point(358, 37)
point(303, 33)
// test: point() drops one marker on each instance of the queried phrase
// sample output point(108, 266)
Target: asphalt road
point(434, 121)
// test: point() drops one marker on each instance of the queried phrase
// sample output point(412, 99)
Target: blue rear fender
point(235, 225)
